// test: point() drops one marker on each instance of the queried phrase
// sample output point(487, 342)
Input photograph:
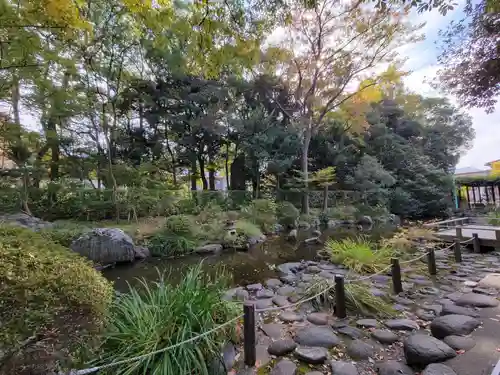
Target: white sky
point(422, 61)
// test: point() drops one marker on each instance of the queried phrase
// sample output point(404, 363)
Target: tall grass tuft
point(359, 299)
point(358, 255)
point(159, 315)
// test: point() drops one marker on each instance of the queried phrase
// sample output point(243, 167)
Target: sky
point(422, 62)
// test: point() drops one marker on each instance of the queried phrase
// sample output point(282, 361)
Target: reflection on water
point(252, 266)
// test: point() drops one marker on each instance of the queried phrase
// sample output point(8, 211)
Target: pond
point(252, 266)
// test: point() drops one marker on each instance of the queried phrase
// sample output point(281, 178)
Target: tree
point(332, 45)
point(470, 56)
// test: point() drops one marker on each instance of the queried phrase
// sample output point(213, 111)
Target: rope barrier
point(467, 241)
point(97, 368)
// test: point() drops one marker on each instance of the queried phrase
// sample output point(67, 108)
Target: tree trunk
point(226, 167)
point(211, 178)
point(16, 99)
point(194, 172)
point(202, 172)
point(53, 143)
point(325, 198)
point(305, 170)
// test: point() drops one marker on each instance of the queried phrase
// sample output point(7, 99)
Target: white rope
point(97, 368)
point(467, 241)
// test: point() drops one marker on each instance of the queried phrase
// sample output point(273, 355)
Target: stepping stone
point(421, 350)
point(438, 369)
point(317, 336)
point(313, 269)
point(394, 368)
point(254, 287)
point(402, 324)
point(352, 332)
point(454, 296)
point(491, 281)
point(458, 325)
point(470, 284)
point(403, 301)
point(385, 336)
point(459, 342)
point(289, 279)
point(314, 373)
point(477, 300)
point(319, 319)
point(426, 315)
point(367, 323)
point(262, 355)
point(264, 293)
point(281, 347)
point(429, 291)
point(311, 355)
point(286, 291)
point(273, 330)
point(242, 295)
point(264, 303)
point(284, 367)
point(280, 301)
point(340, 323)
point(458, 310)
point(273, 283)
point(343, 368)
point(377, 292)
point(290, 317)
point(487, 292)
point(359, 350)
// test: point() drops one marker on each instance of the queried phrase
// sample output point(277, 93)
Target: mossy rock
point(48, 293)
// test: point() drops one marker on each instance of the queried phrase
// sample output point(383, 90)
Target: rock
point(288, 268)
point(477, 300)
point(289, 279)
point(255, 240)
point(421, 350)
point(286, 290)
point(459, 342)
point(280, 301)
point(352, 332)
point(402, 324)
point(438, 369)
point(142, 252)
point(278, 228)
point(273, 330)
point(451, 308)
point(365, 220)
point(394, 368)
point(488, 292)
point(453, 325)
point(316, 233)
point(343, 368)
point(273, 283)
point(264, 293)
point(312, 240)
point(470, 284)
point(254, 287)
point(317, 336)
point(105, 246)
point(313, 356)
point(367, 323)
point(319, 319)
point(426, 315)
point(284, 367)
point(26, 221)
point(281, 347)
point(292, 235)
point(359, 350)
point(312, 269)
point(242, 295)
point(332, 223)
point(229, 355)
point(290, 317)
point(261, 304)
point(304, 225)
point(385, 336)
point(209, 249)
point(490, 281)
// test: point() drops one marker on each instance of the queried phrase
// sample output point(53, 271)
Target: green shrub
point(247, 229)
point(64, 233)
point(168, 244)
point(494, 217)
point(188, 206)
point(47, 290)
point(160, 315)
point(179, 224)
point(342, 212)
point(261, 212)
point(358, 255)
point(287, 214)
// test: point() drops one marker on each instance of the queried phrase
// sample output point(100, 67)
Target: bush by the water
point(159, 315)
point(359, 254)
point(177, 237)
point(49, 292)
point(288, 214)
point(261, 212)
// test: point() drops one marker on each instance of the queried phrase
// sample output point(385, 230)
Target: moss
point(45, 286)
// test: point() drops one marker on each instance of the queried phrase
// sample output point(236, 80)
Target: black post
point(487, 195)
point(340, 309)
point(431, 262)
point(468, 196)
point(249, 334)
point(397, 285)
point(475, 243)
point(457, 251)
point(474, 194)
point(493, 195)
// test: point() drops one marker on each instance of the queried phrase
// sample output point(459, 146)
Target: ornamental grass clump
point(359, 255)
point(159, 315)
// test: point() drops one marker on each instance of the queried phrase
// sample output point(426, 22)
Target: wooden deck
point(488, 235)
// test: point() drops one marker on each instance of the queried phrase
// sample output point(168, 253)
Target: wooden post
point(497, 233)
point(431, 262)
point(457, 251)
point(487, 195)
point(249, 334)
point(397, 285)
point(493, 195)
point(458, 232)
point(468, 196)
point(475, 243)
point(474, 195)
point(340, 309)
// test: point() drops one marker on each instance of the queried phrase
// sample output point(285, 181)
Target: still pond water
point(252, 266)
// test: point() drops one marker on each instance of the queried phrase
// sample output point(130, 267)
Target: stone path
point(437, 317)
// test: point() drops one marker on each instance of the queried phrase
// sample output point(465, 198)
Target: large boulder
point(421, 350)
point(26, 221)
point(365, 221)
point(107, 245)
point(452, 324)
